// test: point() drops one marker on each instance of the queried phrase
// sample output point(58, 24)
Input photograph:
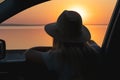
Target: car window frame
point(111, 26)
point(109, 58)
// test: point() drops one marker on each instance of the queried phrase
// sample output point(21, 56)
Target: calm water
point(23, 37)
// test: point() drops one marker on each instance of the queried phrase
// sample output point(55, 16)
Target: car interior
point(13, 64)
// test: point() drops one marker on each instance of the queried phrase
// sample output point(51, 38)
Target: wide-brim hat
point(68, 28)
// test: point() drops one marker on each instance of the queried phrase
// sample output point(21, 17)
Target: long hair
point(78, 58)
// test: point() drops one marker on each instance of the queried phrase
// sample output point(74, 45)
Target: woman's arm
point(33, 55)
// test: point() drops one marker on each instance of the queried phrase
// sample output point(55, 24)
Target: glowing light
point(81, 11)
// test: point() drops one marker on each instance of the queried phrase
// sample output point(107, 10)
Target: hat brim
point(84, 36)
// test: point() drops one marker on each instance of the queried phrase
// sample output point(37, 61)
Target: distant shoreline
point(37, 24)
point(22, 24)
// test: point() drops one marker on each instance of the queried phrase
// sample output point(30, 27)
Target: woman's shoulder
point(94, 46)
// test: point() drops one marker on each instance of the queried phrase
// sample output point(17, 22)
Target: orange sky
point(92, 12)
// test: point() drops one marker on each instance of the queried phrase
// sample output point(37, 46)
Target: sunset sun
point(81, 11)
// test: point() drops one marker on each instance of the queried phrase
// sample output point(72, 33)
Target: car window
point(26, 29)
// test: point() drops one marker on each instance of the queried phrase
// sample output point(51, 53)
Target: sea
point(24, 37)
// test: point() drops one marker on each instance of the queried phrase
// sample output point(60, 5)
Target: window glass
point(26, 29)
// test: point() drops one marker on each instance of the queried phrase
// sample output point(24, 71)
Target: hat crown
point(69, 22)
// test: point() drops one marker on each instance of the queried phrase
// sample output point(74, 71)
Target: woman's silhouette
point(71, 57)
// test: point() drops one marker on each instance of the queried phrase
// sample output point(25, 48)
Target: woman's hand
point(33, 55)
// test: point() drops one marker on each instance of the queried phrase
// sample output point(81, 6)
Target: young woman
point(71, 57)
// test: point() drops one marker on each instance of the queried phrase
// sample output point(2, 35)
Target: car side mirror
point(2, 49)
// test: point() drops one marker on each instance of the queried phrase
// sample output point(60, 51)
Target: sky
point(92, 12)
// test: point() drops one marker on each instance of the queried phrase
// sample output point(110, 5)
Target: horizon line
point(37, 24)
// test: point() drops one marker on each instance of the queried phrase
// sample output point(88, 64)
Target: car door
point(9, 69)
